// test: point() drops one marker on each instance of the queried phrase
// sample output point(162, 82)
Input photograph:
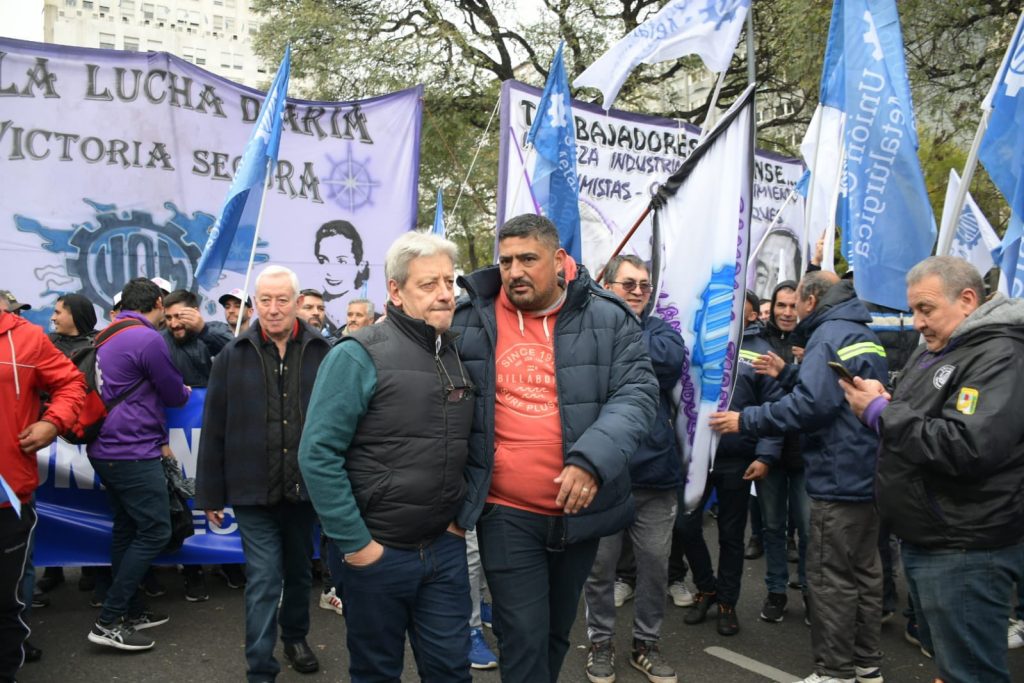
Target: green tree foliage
point(461, 50)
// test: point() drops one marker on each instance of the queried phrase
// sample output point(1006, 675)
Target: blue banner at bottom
point(75, 522)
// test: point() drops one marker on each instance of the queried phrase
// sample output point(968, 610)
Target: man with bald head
point(844, 573)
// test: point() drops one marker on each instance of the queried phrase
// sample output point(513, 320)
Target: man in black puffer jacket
point(256, 404)
point(951, 473)
point(566, 394)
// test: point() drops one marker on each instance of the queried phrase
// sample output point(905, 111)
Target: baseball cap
point(117, 301)
point(163, 284)
point(12, 301)
point(236, 294)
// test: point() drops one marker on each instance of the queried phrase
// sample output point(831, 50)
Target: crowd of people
point(519, 441)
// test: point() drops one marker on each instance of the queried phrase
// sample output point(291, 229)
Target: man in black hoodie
point(74, 322)
point(782, 493)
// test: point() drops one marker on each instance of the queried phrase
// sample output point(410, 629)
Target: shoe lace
point(650, 650)
point(601, 653)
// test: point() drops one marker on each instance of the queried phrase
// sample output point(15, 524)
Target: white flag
point(704, 225)
point(974, 238)
point(822, 150)
point(707, 28)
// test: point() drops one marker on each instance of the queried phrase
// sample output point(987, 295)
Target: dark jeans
point(535, 580)
point(733, 498)
point(278, 545)
point(14, 539)
point(423, 593)
point(890, 598)
point(960, 597)
point(137, 490)
point(783, 499)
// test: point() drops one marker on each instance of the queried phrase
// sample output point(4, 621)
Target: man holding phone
point(844, 572)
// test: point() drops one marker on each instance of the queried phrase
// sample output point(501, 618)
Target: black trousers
point(688, 538)
point(14, 542)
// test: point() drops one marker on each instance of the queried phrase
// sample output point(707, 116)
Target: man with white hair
point(248, 458)
point(385, 455)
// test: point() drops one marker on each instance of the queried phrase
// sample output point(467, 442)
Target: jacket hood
point(998, 315)
point(82, 313)
point(839, 303)
point(8, 321)
point(771, 327)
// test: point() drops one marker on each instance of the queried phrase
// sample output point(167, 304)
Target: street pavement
point(204, 642)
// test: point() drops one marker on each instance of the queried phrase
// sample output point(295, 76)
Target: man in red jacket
point(29, 365)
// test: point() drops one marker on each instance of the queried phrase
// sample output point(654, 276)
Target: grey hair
point(816, 283)
point(369, 306)
point(414, 245)
point(954, 273)
point(278, 271)
point(611, 269)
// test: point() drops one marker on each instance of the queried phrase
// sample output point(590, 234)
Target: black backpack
point(94, 411)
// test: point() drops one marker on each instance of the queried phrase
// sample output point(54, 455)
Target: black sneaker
point(601, 662)
point(774, 607)
point(727, 622)
point(698, 612)
point(195, 586)
point(646, 658)
point(152, 586)
point(51, 578)
point(234, 575)
point(32, 653)
point(121, 636)
point(147, 620)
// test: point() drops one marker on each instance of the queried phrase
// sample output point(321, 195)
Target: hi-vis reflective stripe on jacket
point(749, 355)
point(848, 352)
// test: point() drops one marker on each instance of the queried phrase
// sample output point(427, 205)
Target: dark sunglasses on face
point(630, 285)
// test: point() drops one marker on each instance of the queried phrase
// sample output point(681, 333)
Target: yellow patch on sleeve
point(967, 401)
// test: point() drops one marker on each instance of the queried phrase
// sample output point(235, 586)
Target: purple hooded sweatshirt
point(137, 427)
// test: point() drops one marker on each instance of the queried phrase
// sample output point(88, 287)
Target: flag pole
point(771, 226)
point(525, 175)
point(709, 120)
point(751, 68)
point(946, 232)
point(252, 254)
point(479, 146)
point(629, 235)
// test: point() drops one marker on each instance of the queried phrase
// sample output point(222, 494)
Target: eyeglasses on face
point(630, 285)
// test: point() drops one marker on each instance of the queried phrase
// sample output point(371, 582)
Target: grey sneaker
point(646, 658)
point(120, 635)
point(601, 662)
point(147, 620)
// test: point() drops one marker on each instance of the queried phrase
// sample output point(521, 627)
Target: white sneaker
point(822, 678)
point(1015, 634)
point(868, 674)
point(681, 595)
point(623, 592)
point(331, 601)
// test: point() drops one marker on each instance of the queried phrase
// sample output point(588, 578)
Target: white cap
point(117, 299)
point(236, 294)
point(163, 284)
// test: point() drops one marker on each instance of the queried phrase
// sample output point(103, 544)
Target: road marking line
point(749, 664)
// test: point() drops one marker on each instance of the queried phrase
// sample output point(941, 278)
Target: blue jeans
point(535, 580)
point(960, 598)
point(137, 490)
point(423, 592)
point(781, 492)
point(278, 545)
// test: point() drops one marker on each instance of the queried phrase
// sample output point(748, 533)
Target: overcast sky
point(21, 19)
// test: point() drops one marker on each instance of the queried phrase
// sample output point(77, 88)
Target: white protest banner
point(115, 165)
point(622, 158)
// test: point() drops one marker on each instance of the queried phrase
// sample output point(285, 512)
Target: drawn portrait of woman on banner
point(339, 251)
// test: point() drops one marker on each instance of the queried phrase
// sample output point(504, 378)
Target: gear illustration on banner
point(350, 184)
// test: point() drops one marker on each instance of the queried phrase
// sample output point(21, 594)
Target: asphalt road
point(204, 642)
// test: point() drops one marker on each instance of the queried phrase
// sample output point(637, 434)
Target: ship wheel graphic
point(350, 185)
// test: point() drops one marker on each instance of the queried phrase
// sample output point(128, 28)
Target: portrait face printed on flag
point(338, 248)
point(778, 260)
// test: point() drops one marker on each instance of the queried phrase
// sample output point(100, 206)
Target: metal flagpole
point(252, 254)
point(709, 120)
point(751, 70)
point(480, 145)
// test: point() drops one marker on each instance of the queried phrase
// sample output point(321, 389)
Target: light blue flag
point(7, 495)
point(438, 228)
point(553, 134)
point(1002, 152)
point(802, 183)
point(883, 208)
point(242, 205)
